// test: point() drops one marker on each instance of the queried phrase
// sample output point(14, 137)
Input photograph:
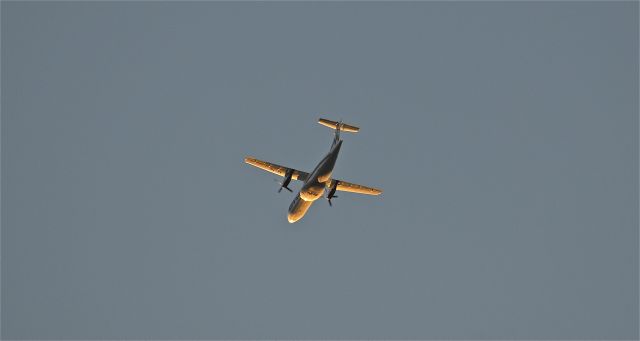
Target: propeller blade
point(329, 200)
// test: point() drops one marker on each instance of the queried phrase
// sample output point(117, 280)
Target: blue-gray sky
point(505, 136)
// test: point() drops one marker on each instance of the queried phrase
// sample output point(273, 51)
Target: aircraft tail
point(334, 125)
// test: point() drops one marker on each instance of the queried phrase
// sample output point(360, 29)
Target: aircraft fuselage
point(314, 185)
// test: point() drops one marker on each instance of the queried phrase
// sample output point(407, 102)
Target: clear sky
point(504, 135)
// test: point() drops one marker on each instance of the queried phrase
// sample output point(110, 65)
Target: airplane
point(319, 180)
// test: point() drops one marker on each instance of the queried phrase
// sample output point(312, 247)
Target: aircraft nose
point(292, 218)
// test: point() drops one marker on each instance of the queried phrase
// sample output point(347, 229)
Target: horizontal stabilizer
point(343, 126)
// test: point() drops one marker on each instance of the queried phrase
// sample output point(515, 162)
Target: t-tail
point(338, 127)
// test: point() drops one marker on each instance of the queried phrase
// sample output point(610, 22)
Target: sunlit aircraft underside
point(319, 181)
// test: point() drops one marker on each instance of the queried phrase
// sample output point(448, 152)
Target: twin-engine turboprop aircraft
point(319, 180)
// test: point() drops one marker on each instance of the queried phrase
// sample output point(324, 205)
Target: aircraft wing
point(345, 186)
point(276, 169)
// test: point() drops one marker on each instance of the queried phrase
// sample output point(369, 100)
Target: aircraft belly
point(312, 190)
point(322, 178)
point(324, 173)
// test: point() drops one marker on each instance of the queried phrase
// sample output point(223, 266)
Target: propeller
point(332, 192)
point(281, 187)
point(285, 187)
point(286, 181)
point(329, 200)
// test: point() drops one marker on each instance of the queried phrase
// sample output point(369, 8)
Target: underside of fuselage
point(298, 209)
point(315, 184)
